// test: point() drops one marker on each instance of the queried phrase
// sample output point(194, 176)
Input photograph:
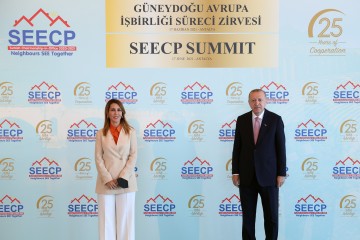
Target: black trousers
point(270, 203)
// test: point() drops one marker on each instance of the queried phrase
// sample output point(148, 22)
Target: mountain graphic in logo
point(196, 84)
point(273, 84)
point(41, 12)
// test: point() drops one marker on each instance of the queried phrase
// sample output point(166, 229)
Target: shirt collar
point(118, 128)
point(261, 116)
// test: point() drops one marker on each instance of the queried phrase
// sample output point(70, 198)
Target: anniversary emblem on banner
point(83, 169)
point(7, 168)
point(234, 94)
point(196, 205)
point(310, 92)
point(310, 168)
point(7, 93)
point(83, 93)
point(349, 131)
point(228, 169)
point(158, 168)
point(348, 206)
point(158, 93)
point(45, 206)
point(325, 33)
point(44, 130)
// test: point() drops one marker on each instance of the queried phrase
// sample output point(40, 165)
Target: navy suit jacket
point(267, 158)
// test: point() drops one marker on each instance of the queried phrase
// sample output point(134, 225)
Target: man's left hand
point(280, 181)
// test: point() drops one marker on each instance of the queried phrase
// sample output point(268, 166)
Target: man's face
point(257, 102)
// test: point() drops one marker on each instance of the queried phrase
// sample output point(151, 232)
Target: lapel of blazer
point(264, 127)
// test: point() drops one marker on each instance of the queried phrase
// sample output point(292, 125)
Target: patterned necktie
point(256, 129)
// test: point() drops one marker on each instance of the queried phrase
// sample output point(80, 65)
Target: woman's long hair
point(124, 124)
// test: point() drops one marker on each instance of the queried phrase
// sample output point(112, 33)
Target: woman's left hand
point(112, 184)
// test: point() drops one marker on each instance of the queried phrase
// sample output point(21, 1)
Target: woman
point(115, 155)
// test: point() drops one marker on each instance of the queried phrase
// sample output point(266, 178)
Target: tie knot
point(257, 119)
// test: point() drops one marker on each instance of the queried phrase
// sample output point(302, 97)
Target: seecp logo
point(82, 168)
point(82, 93)
point(348, 206)
point(82, 131)
point(197, 169)
point(196, 131)
point(348, 131)
point(158, 167)
point(7, 168)
point(197, 94)
point(275, 93)
point(158, 93)
point(53, 38)
point(230, 207)
point(196, 205)
point(310, 91)
point(159, 206)
point(123, 92)
point(159, 131)
point(7, 92)
point(10, 132)
point(44, 129)
point(310, 131)
point(45, 169)
point(45, 205)
point(44, 94)
point(227, 132)
point(310, 206)
point(347, 169)
point(310, 167)
point(347, 93)
point(83, 207)
point(234, 93)
point(11, 207)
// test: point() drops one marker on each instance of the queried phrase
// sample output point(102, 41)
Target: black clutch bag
point(123, 183)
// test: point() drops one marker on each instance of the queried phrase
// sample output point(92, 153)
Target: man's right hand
point(236, 180)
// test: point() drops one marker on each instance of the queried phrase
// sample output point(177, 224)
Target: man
point(259, 164)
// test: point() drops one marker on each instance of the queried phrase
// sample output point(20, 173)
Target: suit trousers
point(270, 203)
point(116, 216)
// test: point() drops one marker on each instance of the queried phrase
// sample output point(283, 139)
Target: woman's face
point(115, 114)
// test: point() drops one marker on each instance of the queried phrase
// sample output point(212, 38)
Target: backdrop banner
point(183, 71)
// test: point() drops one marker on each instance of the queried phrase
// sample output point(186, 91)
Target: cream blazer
point(115, 160)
